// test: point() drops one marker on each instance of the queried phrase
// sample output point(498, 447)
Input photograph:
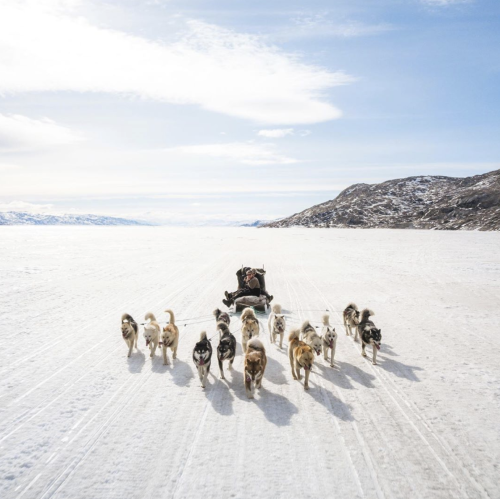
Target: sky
point(195, 112)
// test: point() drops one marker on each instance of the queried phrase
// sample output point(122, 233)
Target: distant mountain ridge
point(23, 218)
point(423, 202)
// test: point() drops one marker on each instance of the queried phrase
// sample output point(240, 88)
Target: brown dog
point(301, 356)
point(255, 365)
point(169, 338)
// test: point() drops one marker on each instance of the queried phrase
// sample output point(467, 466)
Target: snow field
point(79, 419)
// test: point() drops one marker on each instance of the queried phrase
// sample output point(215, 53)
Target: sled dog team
point(304, 342)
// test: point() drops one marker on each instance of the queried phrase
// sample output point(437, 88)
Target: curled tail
point(326, 320)
point(216, 312)
point(172, 316)
point(305, 326)
point(127, 318)
point(150, 316)
point(222, 327)
point(365, 314)
point(352, 305)
point(203, 335)
point(277, 308)
point(294, 335)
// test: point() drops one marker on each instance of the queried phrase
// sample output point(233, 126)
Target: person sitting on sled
point(252, 288)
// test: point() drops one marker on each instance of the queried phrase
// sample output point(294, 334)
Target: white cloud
point(26, 207)
point(445, 3)
point(242, 152)
point(50, 49)
point(318, 24)
point(276, 133)
point(20, 132)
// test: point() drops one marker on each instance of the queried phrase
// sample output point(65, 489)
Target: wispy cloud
point(27, 207)
point(276, 133)
point(445, 3)
point(320, 24)
point(220, 70)
point(241, 152)
point(19, 132)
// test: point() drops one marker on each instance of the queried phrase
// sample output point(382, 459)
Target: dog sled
point(259, 303)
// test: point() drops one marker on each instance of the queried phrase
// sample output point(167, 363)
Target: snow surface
point(80, 420)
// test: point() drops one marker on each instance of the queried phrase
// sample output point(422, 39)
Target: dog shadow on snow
point(345, 374)
point(136, 362)
point(180, 371)
point(333, 404)
point(399, 369)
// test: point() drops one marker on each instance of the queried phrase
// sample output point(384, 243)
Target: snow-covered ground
point(78, 419)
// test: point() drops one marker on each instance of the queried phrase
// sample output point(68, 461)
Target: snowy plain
point(80, 420)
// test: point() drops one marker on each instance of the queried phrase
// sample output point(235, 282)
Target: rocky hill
point(426, 202)
point(22, 218)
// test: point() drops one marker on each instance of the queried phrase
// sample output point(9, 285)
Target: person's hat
point(251, 271)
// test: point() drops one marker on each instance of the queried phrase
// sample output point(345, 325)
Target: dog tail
point(248, 312)
point(365, 314)
point(127, 318)
point(203, 335)
point(326, 320)
point(255, 344)
point(150, 316)
point(216, 312)
point(305, 325)
point(222, 326)
point(352, 305)
point(277, 308)
point(172, 316)
point(294, 335)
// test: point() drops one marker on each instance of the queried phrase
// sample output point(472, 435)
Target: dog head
point(127, 329)
point(376, 337)
point(167, 336)
point(329, 336)
point(305, 356)
point(202, 353)
point(253, 366)
point(225, 349)
point(279, 324)
point(315, 344)
point(251, 327)
point(150, 334)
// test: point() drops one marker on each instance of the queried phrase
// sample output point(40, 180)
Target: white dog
point(276, 324)
point(249, 327)
point(329, 337)
point(311, 337)
point(151, 333)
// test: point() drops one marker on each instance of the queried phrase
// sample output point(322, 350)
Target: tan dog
point(301, 356)
point(249, 327)
point(169, 338)
point(129, 332)
point(151, 333)
point(276, 324)
point(255, 365)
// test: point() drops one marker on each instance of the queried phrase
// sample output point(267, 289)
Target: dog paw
point(306, 387)
point(295, 377)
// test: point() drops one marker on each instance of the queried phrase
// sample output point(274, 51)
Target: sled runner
point(259, 303)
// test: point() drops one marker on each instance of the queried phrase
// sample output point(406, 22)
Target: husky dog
point(249, 327)
point(226, 349)
point(151, 333)
point(370, 335)
point(221, 316)
point(351, 318)
point(301, 356)
point(202, 356)
point(129, 332)
point(329, 338)
point(255, 365)
point(169, 338)
point(276, 324)
point(311, 337)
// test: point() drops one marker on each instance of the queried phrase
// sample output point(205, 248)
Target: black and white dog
point(351, 318)
point(226, 349)
point(221, 316)
point(202, 356)
point(369, 334)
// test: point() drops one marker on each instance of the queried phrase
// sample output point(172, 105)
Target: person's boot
point(228, 303)
point(228, 296)
point(270, 299)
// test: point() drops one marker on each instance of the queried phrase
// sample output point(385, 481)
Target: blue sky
point(192, 111)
